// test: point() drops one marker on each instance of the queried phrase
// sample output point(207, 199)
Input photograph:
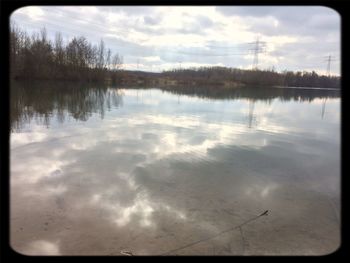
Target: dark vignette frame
point(7, 254)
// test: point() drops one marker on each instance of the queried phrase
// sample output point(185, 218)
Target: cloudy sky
point(156, 38)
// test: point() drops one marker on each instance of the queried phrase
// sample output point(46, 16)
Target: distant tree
point(101, 55)
point(116, 64)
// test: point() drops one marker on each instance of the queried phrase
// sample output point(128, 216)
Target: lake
point(174, 171)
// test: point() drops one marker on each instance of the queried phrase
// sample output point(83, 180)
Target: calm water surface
point(98, 171)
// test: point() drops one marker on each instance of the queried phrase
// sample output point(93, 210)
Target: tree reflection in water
point(42, 100)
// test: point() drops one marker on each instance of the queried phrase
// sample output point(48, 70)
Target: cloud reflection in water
point(154, 174)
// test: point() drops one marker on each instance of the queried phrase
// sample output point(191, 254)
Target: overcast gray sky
point(156, 38)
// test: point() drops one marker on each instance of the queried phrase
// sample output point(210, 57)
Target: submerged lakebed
point(116, 171)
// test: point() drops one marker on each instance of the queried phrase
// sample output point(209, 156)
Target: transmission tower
point(323, 107)
point(328, 60)
point(259, 47)
point(251, 116)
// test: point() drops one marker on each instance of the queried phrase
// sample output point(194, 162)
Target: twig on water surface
point(218, 234)
point(126, 253)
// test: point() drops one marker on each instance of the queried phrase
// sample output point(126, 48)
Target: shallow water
point(99, 171)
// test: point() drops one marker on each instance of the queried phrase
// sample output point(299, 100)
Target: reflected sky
point(95, 171)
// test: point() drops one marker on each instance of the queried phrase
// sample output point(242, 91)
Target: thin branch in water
point(218, 234)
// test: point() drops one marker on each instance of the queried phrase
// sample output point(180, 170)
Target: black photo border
point(7, 254)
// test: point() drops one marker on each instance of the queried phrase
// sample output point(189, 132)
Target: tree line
point(36, 57)
point(254, 77)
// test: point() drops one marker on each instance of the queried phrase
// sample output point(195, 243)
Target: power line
point(74, 30)
point(240, 46)
point(206, 54)
point(99, 26)
point(94, 27)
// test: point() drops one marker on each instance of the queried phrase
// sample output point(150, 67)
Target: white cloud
point(33, 12)
point(41, 248)
point(151, 58)
point(183, 30)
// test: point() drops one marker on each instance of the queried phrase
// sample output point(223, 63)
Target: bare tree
point(101, 55)
point(108, 59)
point(117, 62)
